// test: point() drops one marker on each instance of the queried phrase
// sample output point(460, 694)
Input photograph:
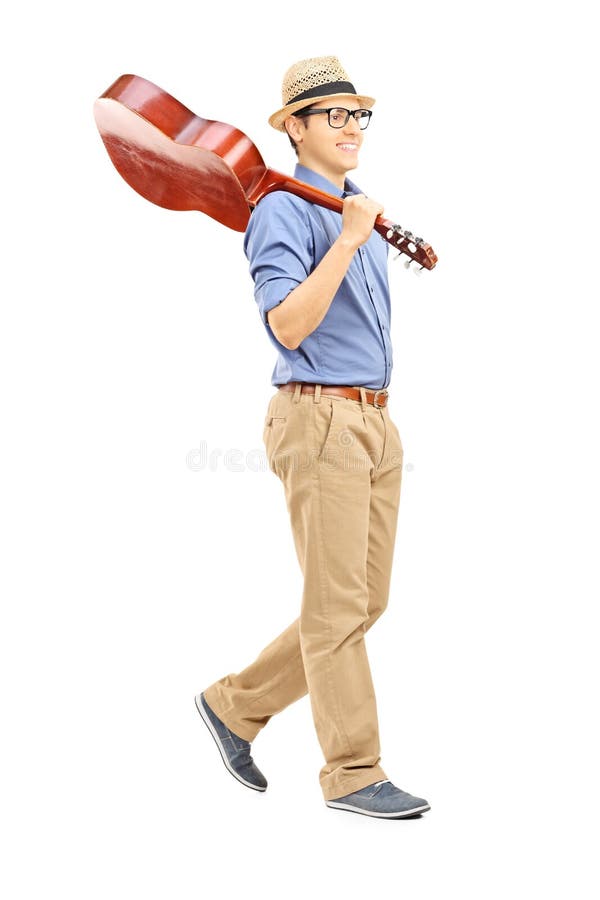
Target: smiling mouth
point(347, 147)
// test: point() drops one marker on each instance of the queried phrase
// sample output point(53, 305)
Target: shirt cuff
point(272, 294)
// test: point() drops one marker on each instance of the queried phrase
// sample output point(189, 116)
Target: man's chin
point(348, 160)
point(350, 164)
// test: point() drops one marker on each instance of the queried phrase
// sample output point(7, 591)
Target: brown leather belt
point(378, 399)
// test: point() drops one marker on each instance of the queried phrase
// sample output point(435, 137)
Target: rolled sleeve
point(279, 246)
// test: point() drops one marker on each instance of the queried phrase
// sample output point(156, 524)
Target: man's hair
point(291, 139)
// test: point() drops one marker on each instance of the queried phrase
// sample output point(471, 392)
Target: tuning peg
point(417, 269)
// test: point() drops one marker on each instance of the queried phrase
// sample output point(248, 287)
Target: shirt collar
point(308, 176)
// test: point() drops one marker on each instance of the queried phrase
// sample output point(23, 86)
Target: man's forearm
point(306, 306)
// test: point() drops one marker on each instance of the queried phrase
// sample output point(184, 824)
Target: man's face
point(330, 151)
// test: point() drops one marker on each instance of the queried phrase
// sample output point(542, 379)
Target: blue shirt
point(285, 240)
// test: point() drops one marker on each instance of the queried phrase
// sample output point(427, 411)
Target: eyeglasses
point(338, 116)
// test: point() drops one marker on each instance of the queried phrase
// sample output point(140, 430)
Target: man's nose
point(352, 126)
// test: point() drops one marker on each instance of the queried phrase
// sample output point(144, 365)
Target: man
point(322, 291)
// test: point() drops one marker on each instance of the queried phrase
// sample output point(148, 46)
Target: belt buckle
point(376, 403)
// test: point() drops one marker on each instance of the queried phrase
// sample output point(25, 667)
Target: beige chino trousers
point(340, 462)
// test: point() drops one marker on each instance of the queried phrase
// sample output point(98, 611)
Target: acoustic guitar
point(180, 161)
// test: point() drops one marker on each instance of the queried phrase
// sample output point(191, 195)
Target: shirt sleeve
point(279, 246)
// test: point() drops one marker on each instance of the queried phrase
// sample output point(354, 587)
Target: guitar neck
point(259, 182)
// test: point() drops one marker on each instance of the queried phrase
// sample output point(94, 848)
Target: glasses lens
point(363, 117)
point(338, 117)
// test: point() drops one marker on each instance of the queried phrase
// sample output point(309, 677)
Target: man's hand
point(358, 219)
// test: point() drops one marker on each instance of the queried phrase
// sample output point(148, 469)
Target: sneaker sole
point(228, 766)
point(379, 815)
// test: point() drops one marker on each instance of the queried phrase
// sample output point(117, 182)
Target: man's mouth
point(347, 147)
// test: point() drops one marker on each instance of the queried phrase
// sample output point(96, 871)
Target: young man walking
point(322, 291)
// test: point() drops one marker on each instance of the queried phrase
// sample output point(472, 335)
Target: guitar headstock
point(414, 248)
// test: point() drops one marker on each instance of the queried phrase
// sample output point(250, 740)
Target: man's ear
point(293, 128)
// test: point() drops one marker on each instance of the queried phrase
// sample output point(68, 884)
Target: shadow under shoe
point(235, 752)
point(383, 800)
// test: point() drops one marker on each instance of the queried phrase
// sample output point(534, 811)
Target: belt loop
point(363, 398)
point(297, 392)
point(317, 393)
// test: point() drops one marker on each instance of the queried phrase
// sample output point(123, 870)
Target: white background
point(131, 581)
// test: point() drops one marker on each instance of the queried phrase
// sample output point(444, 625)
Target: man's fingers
point(359, 201)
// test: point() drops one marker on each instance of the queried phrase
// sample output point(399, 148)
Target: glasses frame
point(349, 112)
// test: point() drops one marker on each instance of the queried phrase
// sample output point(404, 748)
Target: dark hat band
point(324, 90)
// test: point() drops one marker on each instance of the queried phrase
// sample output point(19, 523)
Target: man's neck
point(337, 178)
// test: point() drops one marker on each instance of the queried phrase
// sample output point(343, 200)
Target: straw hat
point(311, 80)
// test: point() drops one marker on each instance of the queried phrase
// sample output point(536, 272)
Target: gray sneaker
point(234, 751)
point(382, 799)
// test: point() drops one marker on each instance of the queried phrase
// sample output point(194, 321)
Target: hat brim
point(279, 117)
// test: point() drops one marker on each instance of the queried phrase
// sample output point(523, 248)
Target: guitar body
point(171, 156)
point(180, 161)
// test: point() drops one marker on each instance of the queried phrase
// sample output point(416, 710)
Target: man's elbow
point(288, 342)
point(283, 335)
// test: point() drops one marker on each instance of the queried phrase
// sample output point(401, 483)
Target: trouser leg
point(343, 500)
